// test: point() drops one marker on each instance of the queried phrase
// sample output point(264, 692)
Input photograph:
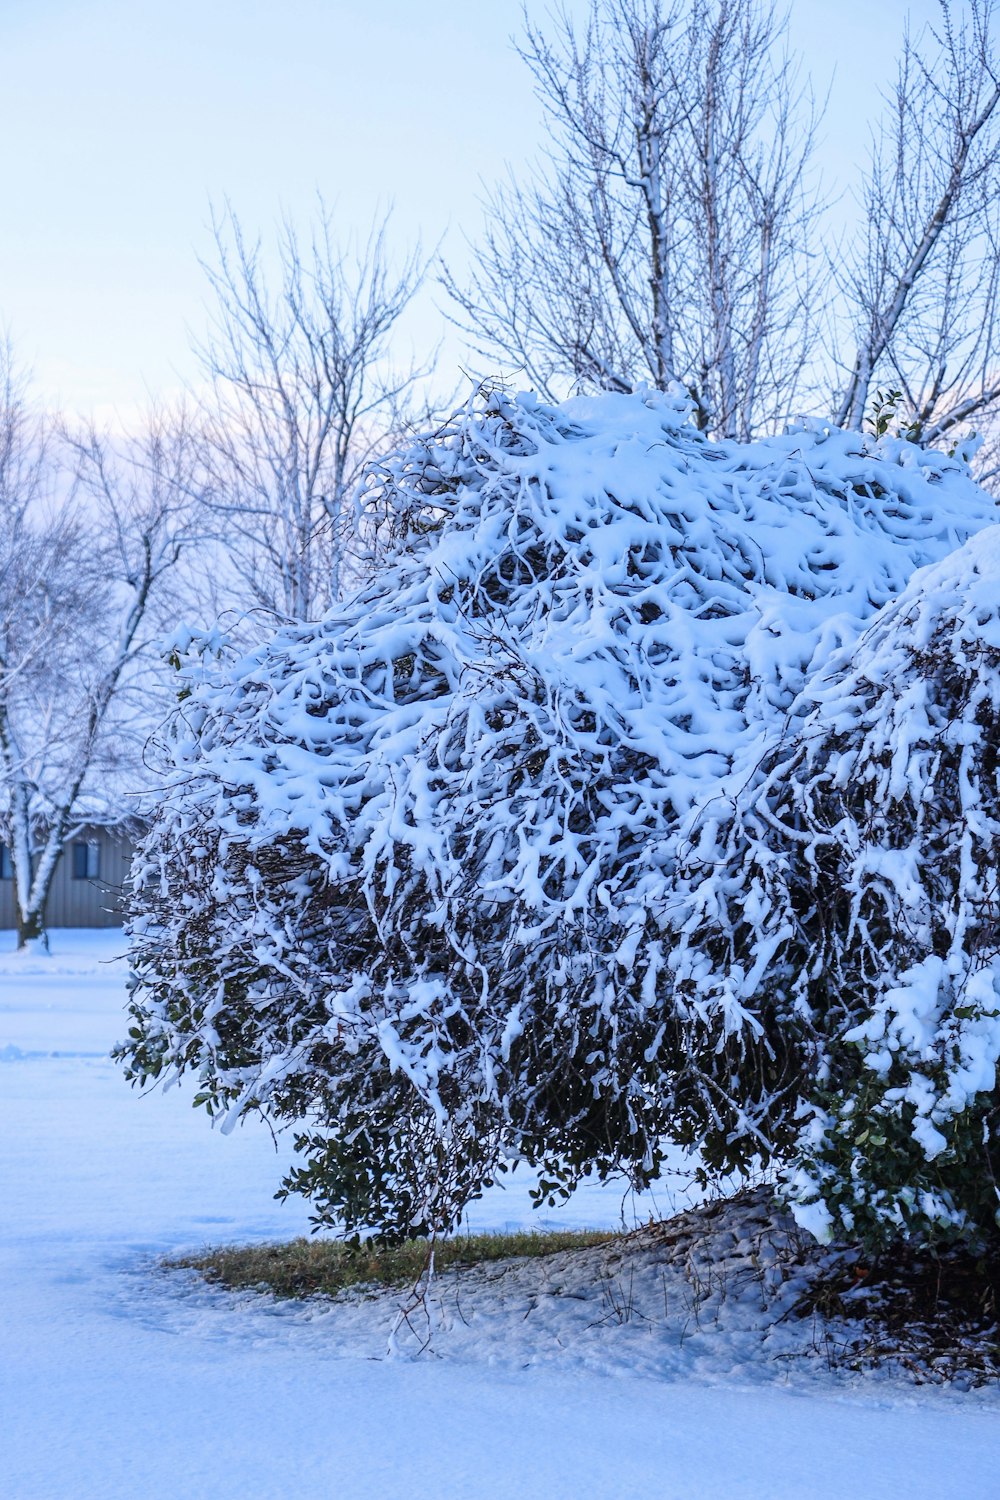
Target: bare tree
point(668, 236)
point(300, 390)
point(671, 234)
point(923, 279)
point(80, 579)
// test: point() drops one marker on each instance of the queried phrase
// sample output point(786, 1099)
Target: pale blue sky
point(122, 120)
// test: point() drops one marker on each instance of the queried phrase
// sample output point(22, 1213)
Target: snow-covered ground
point(117, 1380)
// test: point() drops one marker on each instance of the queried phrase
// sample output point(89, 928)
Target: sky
point(124, 121)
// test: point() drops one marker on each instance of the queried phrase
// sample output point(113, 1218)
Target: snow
point(117, 1379)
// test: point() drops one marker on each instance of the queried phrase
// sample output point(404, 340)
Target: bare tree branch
point(668, 236)
point(923, 278)
point(301, 390)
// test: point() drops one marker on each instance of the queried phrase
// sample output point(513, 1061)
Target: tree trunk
point(31, 930)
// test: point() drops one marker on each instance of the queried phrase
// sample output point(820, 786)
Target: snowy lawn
point(119, 1380)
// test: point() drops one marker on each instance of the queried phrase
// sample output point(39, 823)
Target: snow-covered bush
point(885, 807)
point(452, 878)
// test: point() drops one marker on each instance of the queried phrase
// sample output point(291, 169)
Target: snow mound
point(731, 1290)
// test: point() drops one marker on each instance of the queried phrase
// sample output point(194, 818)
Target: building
point(87, 886)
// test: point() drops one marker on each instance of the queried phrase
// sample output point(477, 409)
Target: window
point(87, 860)
point(6, 864)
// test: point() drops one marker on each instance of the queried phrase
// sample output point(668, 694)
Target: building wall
point(82, 903)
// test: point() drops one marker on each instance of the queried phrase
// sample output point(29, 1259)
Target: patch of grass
point(305, 1268)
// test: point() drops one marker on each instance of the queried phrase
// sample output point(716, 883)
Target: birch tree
point(81, 578)
point(668, 235)
point(300, 389)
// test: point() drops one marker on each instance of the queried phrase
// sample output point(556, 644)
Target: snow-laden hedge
point(459, 876)
point(873, 834)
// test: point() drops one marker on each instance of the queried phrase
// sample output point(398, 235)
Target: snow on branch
point(873, 835)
